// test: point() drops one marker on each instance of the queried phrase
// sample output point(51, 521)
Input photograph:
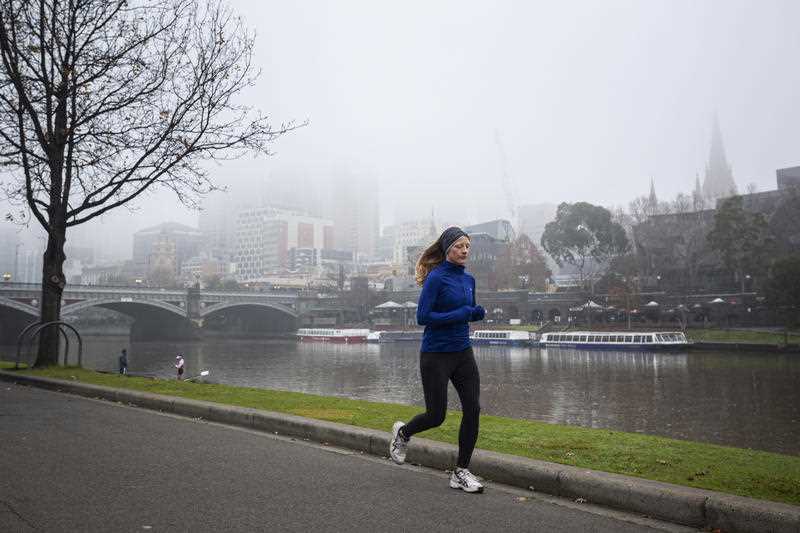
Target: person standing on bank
point(179, 365)
point(446, 306)
point(123, 362)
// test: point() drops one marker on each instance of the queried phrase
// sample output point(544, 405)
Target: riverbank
point(737, 471)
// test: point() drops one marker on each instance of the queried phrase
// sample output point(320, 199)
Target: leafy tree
point(742, 238)
point(783, 289)
point(522, 266)
point(162, 277)
point(213, 282)
point(585, 236)
point(785, 224)
point(621, 282)
point(101, 101)
point(230, 284)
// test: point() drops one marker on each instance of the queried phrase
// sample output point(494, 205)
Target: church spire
point(718, 182)
point(652, 199)
point(697, 195)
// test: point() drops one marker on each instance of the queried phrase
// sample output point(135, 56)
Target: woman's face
point(459, 252)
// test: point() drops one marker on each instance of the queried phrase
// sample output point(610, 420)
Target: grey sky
point(591, 98)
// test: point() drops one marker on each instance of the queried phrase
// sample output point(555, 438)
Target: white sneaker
point(463, 479)
point(398, 446)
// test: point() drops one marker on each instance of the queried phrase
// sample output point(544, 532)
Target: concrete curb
point(674, 503)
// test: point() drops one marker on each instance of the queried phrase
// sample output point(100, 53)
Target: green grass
point(731, 335)
point(8, 365)
point(750, 473)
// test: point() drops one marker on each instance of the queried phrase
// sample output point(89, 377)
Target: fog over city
point(589, 101)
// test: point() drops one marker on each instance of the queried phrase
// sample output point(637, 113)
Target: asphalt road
point(75, 464)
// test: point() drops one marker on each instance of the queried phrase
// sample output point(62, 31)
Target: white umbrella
point(389, 305)
point(717, 301)
point(651, 303)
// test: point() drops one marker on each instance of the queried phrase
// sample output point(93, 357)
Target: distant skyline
point(591, 99)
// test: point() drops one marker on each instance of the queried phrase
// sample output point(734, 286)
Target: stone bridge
point(177, 310)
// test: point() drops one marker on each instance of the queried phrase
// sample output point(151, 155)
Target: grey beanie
point(449, 236)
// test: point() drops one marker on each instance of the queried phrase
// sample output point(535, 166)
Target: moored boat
point(395, 336)
point(615, 340)
point(502, 337)
point(347, 336)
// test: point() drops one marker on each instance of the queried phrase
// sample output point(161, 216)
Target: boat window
point(681, 337)
point(582, 338)
point(605, 338)
point(648, 338)
point(628, 338)
point(637, 338)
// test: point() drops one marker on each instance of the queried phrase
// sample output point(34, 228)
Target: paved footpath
point(74, 464)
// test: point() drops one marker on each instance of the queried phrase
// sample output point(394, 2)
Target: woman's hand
point(478, 313)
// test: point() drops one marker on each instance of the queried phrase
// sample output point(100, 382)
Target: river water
point(748, 400)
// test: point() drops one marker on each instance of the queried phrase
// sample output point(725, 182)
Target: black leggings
point(436, 369)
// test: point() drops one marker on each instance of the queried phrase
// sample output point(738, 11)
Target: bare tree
point(102, 100)
point(682, 203)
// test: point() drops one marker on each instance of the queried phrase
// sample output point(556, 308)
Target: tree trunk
point(53, 283)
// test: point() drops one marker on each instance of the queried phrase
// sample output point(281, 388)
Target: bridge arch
point(228, 305)
point(119, 305)
point(19, 306)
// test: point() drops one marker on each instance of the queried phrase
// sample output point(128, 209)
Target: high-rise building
point(354, 210)
point(217, 224)
point(499, 229)
point(719, 181)
point(415, 233)
point(788, 178)
point(266, 235)
point(533, 218)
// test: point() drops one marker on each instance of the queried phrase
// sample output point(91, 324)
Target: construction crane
point(509, 188)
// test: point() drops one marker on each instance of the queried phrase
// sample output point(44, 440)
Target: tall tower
point(652, 199)
point(719, 177)
point(698, 200)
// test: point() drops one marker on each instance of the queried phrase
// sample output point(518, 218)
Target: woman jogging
point(446, 306)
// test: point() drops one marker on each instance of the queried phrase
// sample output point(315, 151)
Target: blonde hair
point(432, 257)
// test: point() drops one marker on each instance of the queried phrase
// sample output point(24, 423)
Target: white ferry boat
point(347, 336)
point(615, 340)
point(502, 337)
point(412, 335)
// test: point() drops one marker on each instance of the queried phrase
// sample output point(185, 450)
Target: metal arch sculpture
point(38, 327)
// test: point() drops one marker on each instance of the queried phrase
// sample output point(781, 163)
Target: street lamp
point(6, 276)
